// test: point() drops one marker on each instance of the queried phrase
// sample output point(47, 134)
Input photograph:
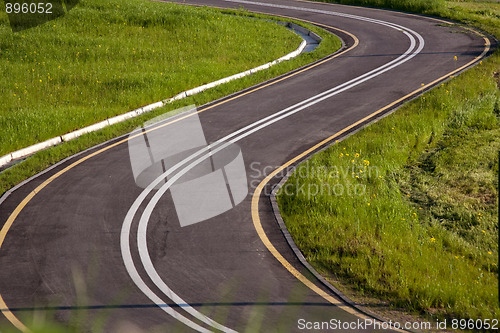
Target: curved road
point(84, 238)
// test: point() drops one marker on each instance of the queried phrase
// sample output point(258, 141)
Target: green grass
point(416, 223)
point(109, 57)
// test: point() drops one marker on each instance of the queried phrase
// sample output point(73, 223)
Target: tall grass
point(407, 208)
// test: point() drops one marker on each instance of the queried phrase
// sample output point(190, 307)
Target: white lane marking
point(141, 236)
point(134, 275)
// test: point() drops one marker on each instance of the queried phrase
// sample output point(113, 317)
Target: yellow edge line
point(256, 196)
point(10, 221)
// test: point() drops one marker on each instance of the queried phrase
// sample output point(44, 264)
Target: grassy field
point(108, 57)
point(408, 211)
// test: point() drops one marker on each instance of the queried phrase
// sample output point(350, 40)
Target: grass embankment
point(105, 58)
point(407, 210)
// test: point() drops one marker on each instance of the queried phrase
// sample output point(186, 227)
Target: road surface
point(87, 238)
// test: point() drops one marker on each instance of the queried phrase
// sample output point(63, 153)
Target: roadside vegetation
point(408, 206)
point(106, 58)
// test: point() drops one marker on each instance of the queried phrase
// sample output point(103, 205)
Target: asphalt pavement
point(75, 244)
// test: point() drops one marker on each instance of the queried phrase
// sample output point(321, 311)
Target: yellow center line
point(10, 221)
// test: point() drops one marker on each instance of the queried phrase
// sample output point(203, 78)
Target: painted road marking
point(219, 145)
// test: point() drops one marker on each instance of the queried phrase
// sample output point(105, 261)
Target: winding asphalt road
point(71, 240)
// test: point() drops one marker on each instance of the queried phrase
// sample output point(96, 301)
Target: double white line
point(178, 170)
